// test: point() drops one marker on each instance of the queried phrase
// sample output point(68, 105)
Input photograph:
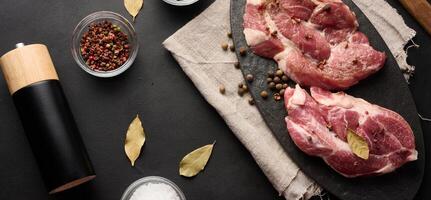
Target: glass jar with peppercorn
point(104, 44)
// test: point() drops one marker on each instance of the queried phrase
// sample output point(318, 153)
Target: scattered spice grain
point(271, 85)
point(222, 89)
point(249, 77)
point(242, 51)
point(268, 80)
point(270, 74)
point(251, 101)
point(277, 82)
point(279, 73)
point(241, 91)
point(224, 46)
point(279, 86)
point(232, 48)
point(264, 94)
point(236, 65)
point(277, 97)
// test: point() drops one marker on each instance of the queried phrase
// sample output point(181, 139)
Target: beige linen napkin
point(196, 47)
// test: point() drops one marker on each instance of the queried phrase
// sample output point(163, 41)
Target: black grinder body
point(52, 133)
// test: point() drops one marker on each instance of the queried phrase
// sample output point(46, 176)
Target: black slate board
point(387, 88)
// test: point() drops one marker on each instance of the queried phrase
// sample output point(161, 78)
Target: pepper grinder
point(47, 119)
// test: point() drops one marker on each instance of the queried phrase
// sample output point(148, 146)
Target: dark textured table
point(175, 116)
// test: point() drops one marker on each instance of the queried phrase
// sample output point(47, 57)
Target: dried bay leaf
point(358, 145)
point(135, 139)
point(133, 7)
point(195, 161)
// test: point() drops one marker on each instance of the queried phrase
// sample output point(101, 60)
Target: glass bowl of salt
point(153, 188)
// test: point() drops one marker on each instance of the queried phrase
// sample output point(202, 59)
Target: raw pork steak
point(315, 42)
point(318, 125)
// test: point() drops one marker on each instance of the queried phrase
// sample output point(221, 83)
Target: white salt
point(155, 191)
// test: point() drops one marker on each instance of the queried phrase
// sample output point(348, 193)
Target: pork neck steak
point(318, 125)
point(315, 42)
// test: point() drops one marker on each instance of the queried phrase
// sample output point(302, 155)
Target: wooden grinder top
point(27, 64)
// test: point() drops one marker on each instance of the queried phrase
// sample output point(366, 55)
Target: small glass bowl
point(180, 2)
point(115, 18)
point(150, 179)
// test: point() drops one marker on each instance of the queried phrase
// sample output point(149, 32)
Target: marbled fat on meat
point(318, 125)
point(315, 42)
